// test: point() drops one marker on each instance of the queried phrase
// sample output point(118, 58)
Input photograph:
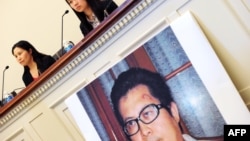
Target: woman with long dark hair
point(91, 12)
point(34, 62)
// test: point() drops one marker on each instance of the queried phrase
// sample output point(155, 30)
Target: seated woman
point(91, 12)
point(33, 61)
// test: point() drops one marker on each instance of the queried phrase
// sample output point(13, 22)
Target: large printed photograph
point(190, 105)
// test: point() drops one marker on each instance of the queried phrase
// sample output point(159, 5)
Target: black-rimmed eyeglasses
point(147, 115)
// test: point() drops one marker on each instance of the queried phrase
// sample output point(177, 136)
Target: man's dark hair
point(136, 76)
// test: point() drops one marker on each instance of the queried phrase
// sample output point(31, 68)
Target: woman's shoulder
point(44, 56)
point(48, 58)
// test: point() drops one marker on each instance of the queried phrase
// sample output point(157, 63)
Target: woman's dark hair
point(37, 56)
point(28, 46)
point(135, 76)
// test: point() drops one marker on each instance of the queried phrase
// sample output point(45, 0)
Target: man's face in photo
point(163, 128)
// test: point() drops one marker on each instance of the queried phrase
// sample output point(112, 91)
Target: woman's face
point(78, 5)
point(23, 56)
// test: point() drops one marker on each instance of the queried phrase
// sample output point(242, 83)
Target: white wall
point(39, 22)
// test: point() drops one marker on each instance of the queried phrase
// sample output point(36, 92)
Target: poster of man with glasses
point(172, 76)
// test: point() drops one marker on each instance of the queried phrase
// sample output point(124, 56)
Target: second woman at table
point(34, 62)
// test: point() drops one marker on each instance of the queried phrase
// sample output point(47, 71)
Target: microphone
point(106, 14)
point(14, 91)
point(2, 103)
point(66, 12)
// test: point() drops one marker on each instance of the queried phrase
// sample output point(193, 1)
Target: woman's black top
point(42, 64)
point(100, 9)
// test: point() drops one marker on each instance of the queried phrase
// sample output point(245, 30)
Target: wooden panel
point(19, 135)
point(242, 11)
point(63, 114)
point(48, 128)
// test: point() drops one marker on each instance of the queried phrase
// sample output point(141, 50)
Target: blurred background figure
point(91, 12)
